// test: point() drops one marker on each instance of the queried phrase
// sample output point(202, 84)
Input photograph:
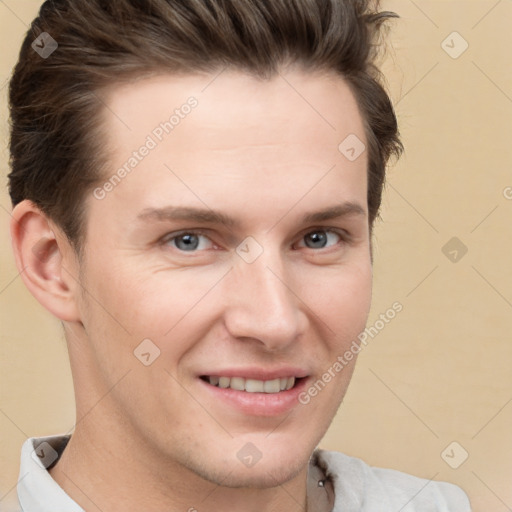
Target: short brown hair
point(56, 153)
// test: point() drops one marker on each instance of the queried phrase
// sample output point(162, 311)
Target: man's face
point(239, 246)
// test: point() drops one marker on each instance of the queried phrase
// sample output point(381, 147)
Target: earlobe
point(44, 259)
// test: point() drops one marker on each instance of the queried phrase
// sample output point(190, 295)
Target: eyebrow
point(173, 213)
point(346, 209)
point(208, 216)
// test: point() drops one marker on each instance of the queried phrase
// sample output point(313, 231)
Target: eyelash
point(344, 236)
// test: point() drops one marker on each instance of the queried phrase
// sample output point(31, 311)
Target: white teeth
point(272, 386)
point(253, 385)
point(223, 382)
point(237, 383)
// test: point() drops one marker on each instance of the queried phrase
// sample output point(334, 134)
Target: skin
point(153, 437)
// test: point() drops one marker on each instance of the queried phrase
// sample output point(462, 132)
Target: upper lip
point(258, 373)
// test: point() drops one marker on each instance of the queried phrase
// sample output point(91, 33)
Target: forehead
point(322, 100)
point(226, 137)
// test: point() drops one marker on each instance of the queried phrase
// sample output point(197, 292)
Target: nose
point(261, 303)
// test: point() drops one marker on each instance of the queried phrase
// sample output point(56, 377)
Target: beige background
point(440, 371)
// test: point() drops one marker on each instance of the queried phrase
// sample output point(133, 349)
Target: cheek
point(128, 304)
point(341, 299)
point(342, 303)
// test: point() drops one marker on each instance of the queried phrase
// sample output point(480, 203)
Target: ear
point(46, 261)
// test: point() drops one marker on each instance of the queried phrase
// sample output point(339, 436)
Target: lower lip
point(259, 404)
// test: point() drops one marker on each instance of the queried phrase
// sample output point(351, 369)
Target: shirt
point(358, 487)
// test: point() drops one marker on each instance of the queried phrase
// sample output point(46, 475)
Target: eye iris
point(187, 242)
point(316, 240)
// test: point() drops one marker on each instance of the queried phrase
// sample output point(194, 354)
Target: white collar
point(37, 490)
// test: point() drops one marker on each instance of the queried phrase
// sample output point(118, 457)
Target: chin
point(277, 465)
point(261, 476)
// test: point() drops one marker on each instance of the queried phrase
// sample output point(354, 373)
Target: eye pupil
point(316, 239)
point(188, 242)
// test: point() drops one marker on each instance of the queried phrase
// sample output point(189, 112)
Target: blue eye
point(189, 242)
point(321, 238)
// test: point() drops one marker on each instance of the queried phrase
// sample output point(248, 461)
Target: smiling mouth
point(252, 385)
